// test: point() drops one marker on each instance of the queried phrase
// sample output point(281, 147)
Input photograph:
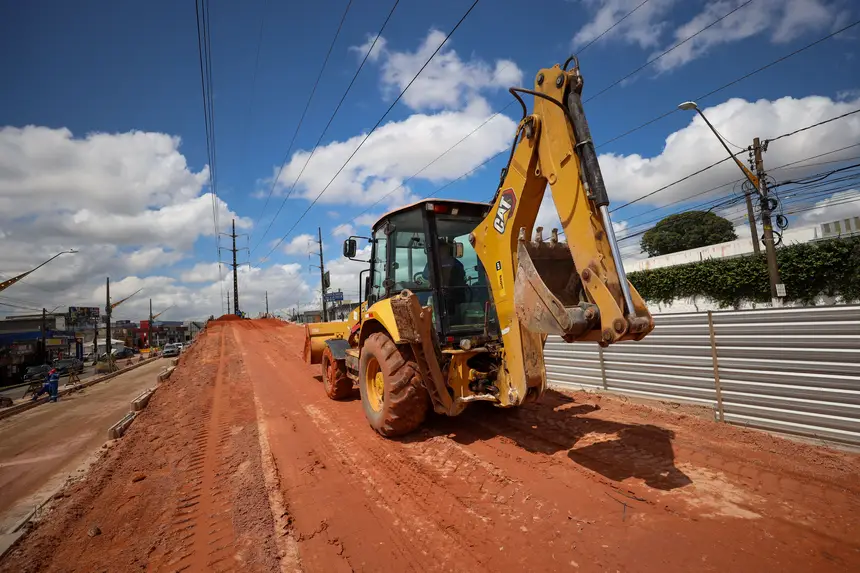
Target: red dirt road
point(247, 466)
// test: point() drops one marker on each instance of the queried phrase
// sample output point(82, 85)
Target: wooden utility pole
point(107, 318)
point(149, 327)
point(777, 289)
point(44, 332)
point(322, 277)
point(751, 219)
point(267, 304)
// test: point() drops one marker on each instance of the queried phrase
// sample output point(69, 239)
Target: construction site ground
point(241, 463)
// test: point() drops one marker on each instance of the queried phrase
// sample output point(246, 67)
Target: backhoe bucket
point(317, 333)
point(547, 291)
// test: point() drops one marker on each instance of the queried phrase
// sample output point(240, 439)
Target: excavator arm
point(576, 289)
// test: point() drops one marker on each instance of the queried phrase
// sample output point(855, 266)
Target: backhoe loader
point(459, 297)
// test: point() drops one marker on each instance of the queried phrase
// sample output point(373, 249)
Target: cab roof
point(422, 202)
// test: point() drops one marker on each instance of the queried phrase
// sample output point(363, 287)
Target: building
point(21, 343)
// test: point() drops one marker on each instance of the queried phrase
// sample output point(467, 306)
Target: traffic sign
point(334, 296)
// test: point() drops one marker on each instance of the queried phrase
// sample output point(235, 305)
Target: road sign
point(334, 296)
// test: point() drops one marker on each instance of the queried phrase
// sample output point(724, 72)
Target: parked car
point(124, 352)
point(170, 350)
point(36, 372)
point(68, 365)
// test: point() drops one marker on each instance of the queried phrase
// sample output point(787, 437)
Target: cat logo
point(507, 202)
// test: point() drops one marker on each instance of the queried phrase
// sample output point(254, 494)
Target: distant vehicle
point(124, 352)
point(136, 350)
point(181, 346)
point(36, 372)
point(170, 350)
point(68, 365)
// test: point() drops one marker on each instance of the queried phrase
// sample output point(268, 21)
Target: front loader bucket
point(548, 290)
point(317, 333)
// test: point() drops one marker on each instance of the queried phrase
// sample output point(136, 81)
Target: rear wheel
point(394, 399)
point(335, 381)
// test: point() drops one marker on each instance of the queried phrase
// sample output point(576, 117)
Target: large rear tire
point(393, 396)
point(337, 384)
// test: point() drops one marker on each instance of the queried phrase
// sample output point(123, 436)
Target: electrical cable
point(304, 113)
point(325, 129)
point(729, 84)
point(378, 123)
point(654, 59)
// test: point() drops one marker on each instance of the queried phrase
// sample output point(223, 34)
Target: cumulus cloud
point(651, 26)
point(642, 28)
point(128, 202)
point(782, 20)
point(694, 147)
point(837, 207)
point(397, 151)
point(299, 245)
point(448, 81)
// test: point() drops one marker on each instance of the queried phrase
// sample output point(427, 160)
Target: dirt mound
point(227, 318)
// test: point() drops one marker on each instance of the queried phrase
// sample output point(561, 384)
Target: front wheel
point(337, 384)
point(393, 396)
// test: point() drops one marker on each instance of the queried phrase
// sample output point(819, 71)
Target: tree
point(689, 230)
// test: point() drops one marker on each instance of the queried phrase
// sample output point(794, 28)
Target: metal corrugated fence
point(794, 370)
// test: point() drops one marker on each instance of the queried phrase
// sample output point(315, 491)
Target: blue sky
point(113, 68)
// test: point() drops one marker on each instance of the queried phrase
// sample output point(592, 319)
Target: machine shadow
point(615, 450)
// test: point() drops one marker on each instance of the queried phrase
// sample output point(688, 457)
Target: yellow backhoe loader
point(460, 296)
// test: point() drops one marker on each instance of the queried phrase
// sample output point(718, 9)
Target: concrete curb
point(165, 374)
point(117, 430)
point(142, 401)
point(17, 409)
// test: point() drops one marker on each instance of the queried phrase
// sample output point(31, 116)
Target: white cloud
point(127, 201)
point(642, 28)
point(841, 205)
point(784, 20)
point(344, 230)
point(378, 48)
point(448, 81)
point(395, 152)
point(694, 147)
point(299, 245)
point(202, 273)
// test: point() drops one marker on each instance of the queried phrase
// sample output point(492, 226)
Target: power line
point(610, 28)
point(378, 123)
point(471, 133)
point(813, 125)
point(204, 57)
point(304, 112)
point(654, 59)
point(325, 129)
point(729, 84)
point(249, 112)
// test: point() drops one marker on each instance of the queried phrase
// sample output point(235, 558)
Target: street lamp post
point(691, 105)
point(760, 185)
point(7, 283)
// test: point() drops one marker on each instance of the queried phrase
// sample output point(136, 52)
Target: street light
point(6, 284)
point(691, 106)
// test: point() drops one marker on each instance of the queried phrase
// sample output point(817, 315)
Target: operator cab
point(425, 248)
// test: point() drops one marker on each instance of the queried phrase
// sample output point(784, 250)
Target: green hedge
point(809, 270)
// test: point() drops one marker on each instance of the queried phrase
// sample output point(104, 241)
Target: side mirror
point(458, 250)
point(349, 248)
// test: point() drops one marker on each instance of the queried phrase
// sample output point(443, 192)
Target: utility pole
point(149, 327)
point(323, 277)
point(107, 319)
point(267, 304)
point(235, 266)
point(228, 303)
point(777, 289)
point(751, 219)
point(44, 331)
